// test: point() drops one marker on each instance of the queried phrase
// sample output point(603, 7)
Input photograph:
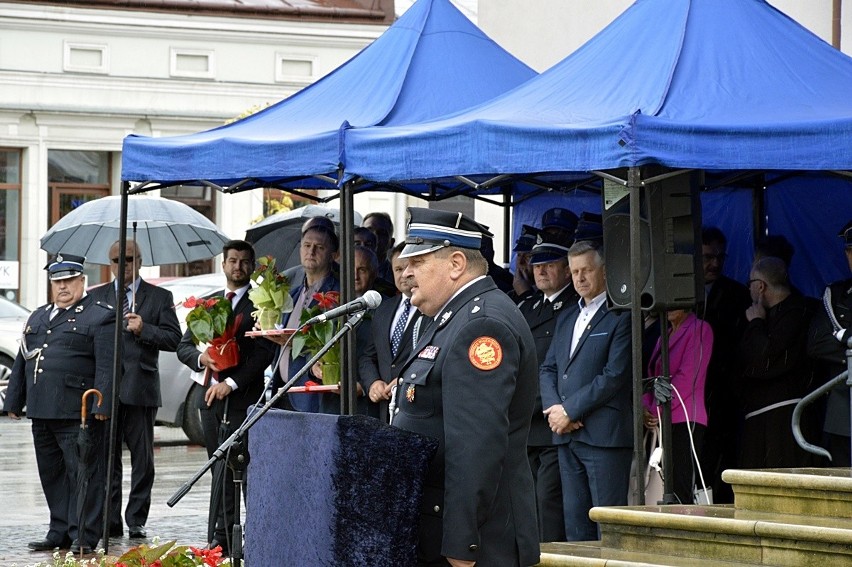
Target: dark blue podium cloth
point(333, 490)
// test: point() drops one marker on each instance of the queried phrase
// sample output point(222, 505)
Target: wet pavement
point(24, 515)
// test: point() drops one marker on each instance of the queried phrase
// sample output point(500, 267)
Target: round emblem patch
point(485, 353)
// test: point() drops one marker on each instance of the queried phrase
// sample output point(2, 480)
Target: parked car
point(181, 395)
point(12, 319)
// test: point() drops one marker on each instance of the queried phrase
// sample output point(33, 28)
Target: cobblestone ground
point(23, 510)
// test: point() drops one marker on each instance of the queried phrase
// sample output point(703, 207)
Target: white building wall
point(77, 79)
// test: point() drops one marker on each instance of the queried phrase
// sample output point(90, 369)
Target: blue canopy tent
point(432, 61)
point(711, 84)
point(731, 87)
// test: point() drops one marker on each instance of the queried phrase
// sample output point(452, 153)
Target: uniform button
point(45, 345)
point(49, 331)
point(40, 370)
point(437, 508)
point(42, 358)
point(413, 376)
point(563, 398)
point(75, 328)
point(393, 365)
point(473, 547)
point(395, 411)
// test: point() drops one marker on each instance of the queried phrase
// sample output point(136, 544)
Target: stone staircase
point(785, 517)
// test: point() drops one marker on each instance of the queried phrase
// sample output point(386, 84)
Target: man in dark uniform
point(232, 390)
point(523, 283)
point(150, 326)
point(828, 341)
point(470, 384)
point(549, 262)
point(66, 349)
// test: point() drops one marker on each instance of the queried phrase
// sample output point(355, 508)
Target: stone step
point(590, 554)
point(724, 534)
point(807, 491)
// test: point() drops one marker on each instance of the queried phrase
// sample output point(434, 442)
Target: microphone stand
point(240, 461)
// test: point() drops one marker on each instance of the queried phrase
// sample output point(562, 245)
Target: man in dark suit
point(150, 326)
point(231, 390)
point(389, 342)
point(725, 304)
point(586, 393)
point(469, 383)
point(66, 349)
point(555, 295)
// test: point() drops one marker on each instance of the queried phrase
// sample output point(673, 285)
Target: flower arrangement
point(313, 337)
point(207, 322)
point(208, 318)
point(271, 294)
point(158, 555)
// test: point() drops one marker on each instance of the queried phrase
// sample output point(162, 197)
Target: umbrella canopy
point(278, 235)
point(167, 232)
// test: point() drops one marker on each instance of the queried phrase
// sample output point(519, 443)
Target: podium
point(333, 490)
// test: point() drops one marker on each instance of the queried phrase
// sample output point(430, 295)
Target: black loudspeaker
point(670, 241)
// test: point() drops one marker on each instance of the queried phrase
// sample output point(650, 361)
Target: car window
point(11, 310)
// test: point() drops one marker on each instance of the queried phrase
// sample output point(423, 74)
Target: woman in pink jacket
point(690, 345)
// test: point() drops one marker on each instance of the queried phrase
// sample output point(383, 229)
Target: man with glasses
point(150, 325)
point(724, 309)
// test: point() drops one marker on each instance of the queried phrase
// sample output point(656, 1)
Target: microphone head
point(372, 298)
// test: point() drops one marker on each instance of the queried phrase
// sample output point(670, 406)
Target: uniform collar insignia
point(557, 306)
point(475, 309)
point(445, 317)
point(78, 309)
point(536, 304)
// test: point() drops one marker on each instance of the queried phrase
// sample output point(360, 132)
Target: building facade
point(77, 77)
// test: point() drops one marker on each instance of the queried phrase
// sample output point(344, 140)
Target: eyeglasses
point(127, 260)
point(718, 257)
point(755, 280)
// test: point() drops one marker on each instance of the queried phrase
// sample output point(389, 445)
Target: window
point(10, 222)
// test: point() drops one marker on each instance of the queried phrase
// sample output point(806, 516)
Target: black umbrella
point(278, 235)
point(86, 455)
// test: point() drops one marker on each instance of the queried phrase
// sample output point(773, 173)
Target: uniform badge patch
point(409, 393)
point(485, 353)
point(429, 353)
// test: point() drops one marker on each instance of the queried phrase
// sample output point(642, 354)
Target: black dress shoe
point(77, 548)
point(47, 545)
point(137, 532)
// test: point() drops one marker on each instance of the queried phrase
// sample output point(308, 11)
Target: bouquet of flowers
point(208, 324)
point(271, 294)
point(312, 338)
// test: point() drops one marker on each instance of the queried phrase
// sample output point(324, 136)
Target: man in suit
point(231, 390)
point(150, 326)
point(469, 383)
point(390, 342)
point(827, 341)
point(725, 304)
point(586, 393)
point(317, 251)
point(66, 349)
point(555, 295)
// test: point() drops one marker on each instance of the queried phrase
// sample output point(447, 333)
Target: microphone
point(369, 300)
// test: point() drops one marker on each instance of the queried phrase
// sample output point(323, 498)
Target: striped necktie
point(399, 328)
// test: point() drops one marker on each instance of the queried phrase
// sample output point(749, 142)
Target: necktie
point(125, 303)
point(56, 311)
point(230, 296)
point(399, 329)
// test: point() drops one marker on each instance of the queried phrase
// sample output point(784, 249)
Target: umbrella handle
point(83, 403)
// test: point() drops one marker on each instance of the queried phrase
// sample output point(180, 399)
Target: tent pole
point(348, 393)
point(634, 183)
point(507, 226)
point(116, 366)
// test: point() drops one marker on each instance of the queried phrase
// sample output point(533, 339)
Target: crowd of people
point(524, 379)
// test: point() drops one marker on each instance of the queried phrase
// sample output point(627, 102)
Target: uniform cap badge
point(485, 353)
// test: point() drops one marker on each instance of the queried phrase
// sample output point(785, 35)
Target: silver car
point(12, 319)
point(181, 395)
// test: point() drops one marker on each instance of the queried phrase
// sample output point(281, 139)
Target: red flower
point(190, 302)
point(327, 300)
point(211, 302)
